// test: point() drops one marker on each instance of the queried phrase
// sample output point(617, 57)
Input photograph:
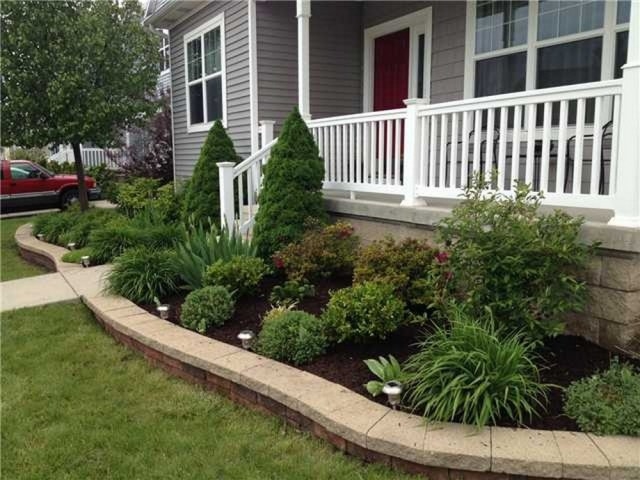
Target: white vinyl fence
point(91, 157)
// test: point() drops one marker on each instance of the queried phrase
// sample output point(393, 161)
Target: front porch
point(432, 116)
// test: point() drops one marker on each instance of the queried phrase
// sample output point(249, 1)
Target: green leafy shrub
point(291, 336)
point(321, 252)
point(607, 403)
point(143, 194)
point(385, 370)
point(290, 293)
point(474, 373)
point(38, 155)
point(202, 246)
point(292, 188)
point(240, 274)
point(142, 274)
point(207, 307)
point(522, 265)
point(407, 265)
point(202, 194)
point(107, 180)
point(363, 312)
point(145, 229)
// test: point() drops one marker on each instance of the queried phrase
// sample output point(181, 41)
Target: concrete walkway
point(34, 291)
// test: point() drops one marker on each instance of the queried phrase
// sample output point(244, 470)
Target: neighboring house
point(533, 89)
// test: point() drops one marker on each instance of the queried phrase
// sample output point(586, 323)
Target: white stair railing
point(240, 186)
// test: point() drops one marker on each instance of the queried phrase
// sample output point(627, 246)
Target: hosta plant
point(474, 373)
point(385, 370)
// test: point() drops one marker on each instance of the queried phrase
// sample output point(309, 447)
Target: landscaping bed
point(565, 358)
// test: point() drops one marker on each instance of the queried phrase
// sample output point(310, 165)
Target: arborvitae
point(292, 188)
point(202, 194)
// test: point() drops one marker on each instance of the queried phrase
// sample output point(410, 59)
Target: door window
point(24, 171)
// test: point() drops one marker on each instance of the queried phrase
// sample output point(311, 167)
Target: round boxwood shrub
point(291, 336)
point(207, 307)
point(363, 312)
point(240, 274)
point(607, 403)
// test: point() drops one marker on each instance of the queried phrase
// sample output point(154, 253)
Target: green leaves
point(505, 255)
point(474, 373)
point(385, 370)
point(207, 307)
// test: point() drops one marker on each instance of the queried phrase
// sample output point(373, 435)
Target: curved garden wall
point(350, 422)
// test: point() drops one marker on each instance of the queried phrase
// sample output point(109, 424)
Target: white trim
point(253, 74)
point(419, 22)
point(198, 33)
point(608, 33)
point(303, 13)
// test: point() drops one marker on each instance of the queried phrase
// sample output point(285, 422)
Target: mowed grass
point(77, 405)
point(12, 265)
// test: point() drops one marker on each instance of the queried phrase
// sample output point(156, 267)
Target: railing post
point(627, 175)
point(227, 214)
point(266, 132)
point(411, 153)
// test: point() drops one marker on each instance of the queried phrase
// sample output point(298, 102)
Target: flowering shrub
point(364, 312)
point(412, 267)
point(520, 264)
point(321, 252)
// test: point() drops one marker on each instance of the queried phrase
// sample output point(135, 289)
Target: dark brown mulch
point(565, 358)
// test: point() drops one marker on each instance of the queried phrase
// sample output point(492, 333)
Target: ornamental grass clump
point(207, 307)
point(292, 188)
point(506, 256)
point(607, 403)
point(474, 373)
point(202, 246)
point(322, 251)
point(142, 274)
point(291, 336)
point(363, 313)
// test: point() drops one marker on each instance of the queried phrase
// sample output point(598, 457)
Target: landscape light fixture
point(393, 390)
point(163, 310)
point(247, 337)
point(40, 237)
point(85, 261)
point(71, 245)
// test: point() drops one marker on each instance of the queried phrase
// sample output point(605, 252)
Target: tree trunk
point(82, 186)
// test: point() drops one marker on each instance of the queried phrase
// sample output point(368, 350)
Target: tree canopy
point(75, 72)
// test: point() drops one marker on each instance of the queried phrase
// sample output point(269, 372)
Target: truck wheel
point(68, 198)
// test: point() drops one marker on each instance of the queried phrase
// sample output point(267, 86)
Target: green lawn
point(77, 405)
point(12, 265)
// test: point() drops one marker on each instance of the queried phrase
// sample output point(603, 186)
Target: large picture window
point(205, 75)
point(520, 45)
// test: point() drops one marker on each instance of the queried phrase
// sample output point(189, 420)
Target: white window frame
point(216, 22)
point(418, 23)
point(608, 33)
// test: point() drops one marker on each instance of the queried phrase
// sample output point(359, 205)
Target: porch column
point(627, 175)
point(303, 13)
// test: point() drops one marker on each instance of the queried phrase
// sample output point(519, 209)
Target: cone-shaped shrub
point(292, 188)
point(202, 195)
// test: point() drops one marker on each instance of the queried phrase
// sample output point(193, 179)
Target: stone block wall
point(612, 314)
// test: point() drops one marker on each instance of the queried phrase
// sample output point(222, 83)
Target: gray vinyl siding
point(336, 53)
point(187, 145)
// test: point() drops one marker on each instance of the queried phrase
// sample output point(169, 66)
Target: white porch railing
point(91, 157)
point(562, 141)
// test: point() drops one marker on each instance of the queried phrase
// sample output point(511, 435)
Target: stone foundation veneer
point(350, 422)
point(612, 314)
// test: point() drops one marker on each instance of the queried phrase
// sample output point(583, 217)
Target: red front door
point(391, 70)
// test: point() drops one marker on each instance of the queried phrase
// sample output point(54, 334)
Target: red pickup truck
point(27, 184)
